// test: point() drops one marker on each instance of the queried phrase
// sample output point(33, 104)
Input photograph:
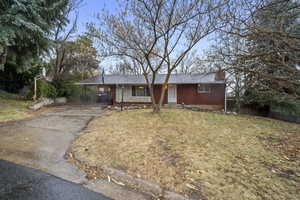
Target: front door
point(172, 94)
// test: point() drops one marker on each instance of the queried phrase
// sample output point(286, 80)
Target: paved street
point(18, 182)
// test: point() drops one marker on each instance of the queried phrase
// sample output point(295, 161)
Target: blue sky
point(89, 9)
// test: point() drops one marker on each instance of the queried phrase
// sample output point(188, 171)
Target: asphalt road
point(18, 182)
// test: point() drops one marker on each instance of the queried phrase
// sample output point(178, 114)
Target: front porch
point(139, 94)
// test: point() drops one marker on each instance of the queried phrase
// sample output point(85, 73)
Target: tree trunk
point(238, 103)
point(162, 94)
point(163, 90)
point(237, 94)
point(154, 105)
point(156, 108)
point(3, 56)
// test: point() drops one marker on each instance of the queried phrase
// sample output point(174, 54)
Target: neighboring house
point(206, 90)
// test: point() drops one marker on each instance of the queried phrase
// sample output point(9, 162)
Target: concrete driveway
point(41, 143)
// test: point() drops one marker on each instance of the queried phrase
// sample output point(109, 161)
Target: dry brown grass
point(214, 155)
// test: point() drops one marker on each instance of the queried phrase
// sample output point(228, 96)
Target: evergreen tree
point(26, 27)
point(274, 45)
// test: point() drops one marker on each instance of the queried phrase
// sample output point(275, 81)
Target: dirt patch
point(195, 153)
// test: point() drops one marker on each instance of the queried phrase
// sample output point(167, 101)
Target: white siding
point(128, 95)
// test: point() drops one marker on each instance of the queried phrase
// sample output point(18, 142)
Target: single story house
point(205, 90)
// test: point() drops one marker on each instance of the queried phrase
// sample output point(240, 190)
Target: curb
point(123, 179)
point(146, 187)
point(143, 185)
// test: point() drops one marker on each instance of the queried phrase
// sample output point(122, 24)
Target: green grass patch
point(12, 107)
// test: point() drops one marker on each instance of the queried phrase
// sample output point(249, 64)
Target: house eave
point(93, 84)
point(210, 78)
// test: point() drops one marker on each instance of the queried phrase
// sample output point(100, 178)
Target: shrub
point(75, 93)
point(289, 107)
point(44, 89)
point(66, 89)
point(6, 95)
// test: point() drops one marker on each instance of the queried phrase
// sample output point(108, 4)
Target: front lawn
point(11, 108)
point(196, 153)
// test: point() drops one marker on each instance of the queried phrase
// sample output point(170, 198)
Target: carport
point(95, 93)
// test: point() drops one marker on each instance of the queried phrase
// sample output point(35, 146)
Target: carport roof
point(140, 80)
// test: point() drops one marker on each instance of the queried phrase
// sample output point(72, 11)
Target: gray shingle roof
point(140, 80)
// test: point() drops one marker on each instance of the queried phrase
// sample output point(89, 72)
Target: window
point(204, 88)
point(140, 91)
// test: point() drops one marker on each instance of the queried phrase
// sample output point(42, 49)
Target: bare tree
point(158, 34)
point(269, 30)
point(189, 64)
point(218, 58)
point(259, 49)
point(126, 66)
point(80, 59)
point(62, 34)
